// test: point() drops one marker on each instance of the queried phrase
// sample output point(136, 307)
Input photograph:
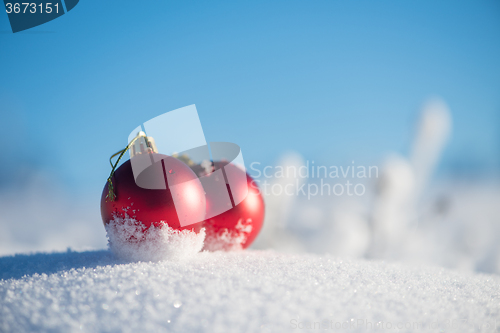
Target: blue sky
point(334, 80)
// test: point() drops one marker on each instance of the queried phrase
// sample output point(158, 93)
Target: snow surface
point(241, 291)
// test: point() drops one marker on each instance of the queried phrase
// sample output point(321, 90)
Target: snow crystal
point(128, 239)
point(243, 291)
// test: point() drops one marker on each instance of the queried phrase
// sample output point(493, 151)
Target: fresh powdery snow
point(239, 291)
point(128, 239)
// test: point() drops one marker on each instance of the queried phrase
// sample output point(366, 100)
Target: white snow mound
point(242, 291)
point(128, 240)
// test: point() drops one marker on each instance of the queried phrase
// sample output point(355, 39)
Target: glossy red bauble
point(154, 206)
point(238, 226)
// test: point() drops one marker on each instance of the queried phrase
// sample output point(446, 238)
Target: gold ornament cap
point(143, 145)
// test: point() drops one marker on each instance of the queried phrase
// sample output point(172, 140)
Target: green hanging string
point(111, 191)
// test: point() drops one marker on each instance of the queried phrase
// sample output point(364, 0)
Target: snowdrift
point(243, 291)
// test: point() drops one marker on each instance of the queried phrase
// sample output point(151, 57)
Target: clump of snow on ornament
point(129, 239)
point(235, 207)
point(227, 239)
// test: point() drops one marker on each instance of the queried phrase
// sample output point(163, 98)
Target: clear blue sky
point(333, 80)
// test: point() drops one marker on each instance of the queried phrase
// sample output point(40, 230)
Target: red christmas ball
point(177, 195)
point(238, 225)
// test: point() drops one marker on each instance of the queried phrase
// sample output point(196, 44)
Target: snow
point(128, 239)
point(240, 291)
point(228, 240)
